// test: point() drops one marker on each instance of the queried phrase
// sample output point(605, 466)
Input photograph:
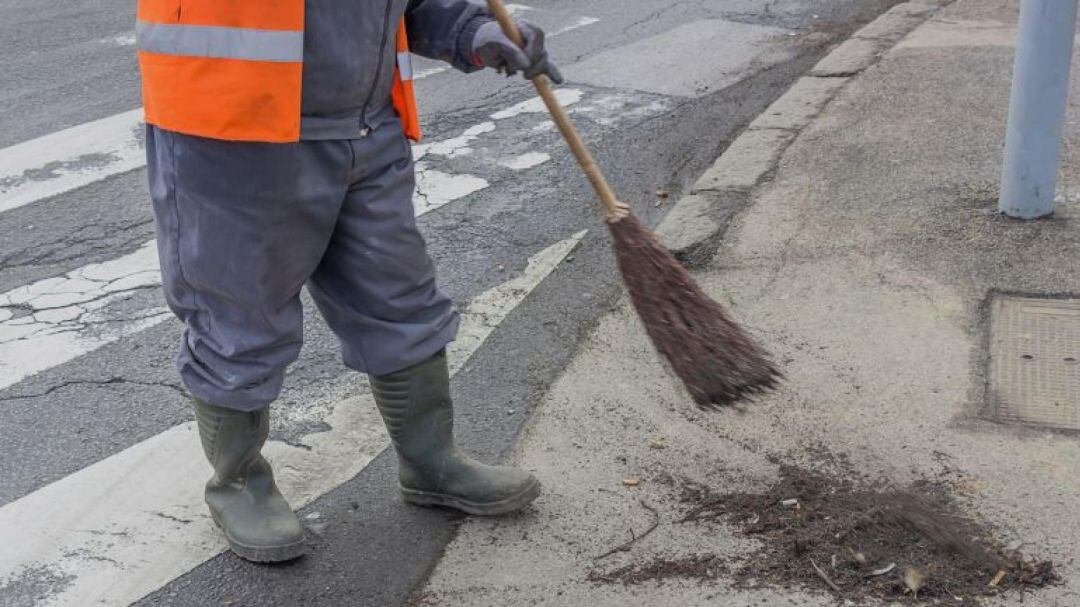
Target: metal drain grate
point(1035, 361)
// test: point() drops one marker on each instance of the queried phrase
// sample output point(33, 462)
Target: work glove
point(492, 48)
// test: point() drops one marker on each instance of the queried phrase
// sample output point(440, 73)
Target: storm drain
point(1034, 368)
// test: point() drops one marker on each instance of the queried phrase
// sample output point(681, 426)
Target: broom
point(713, 356)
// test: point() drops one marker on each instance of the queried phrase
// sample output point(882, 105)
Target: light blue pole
point(1037, 107)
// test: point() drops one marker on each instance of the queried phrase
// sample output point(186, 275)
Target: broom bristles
point(710, 353)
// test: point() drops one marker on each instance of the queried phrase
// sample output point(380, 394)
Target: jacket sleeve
point(444, 29)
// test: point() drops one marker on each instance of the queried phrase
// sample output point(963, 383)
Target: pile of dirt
point(852, 539)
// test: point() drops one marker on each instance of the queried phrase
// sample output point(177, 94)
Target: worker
point(278, 156)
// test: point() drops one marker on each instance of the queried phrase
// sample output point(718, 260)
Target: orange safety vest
point(232, 69)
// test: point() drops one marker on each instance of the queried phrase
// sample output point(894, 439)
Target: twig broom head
point(713, 356)
point(718, 362)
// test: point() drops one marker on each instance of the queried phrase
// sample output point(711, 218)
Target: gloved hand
point(491, 48)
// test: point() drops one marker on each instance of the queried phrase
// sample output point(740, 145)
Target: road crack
point(98, 383)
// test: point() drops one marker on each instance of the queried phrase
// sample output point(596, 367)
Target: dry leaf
point(914, 580)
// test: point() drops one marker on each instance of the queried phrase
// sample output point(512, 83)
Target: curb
point(693, 227)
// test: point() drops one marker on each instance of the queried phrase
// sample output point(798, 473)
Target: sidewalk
point(868, 262)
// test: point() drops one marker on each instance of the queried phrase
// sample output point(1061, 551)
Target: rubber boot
point(415, 404)
point(243, 499)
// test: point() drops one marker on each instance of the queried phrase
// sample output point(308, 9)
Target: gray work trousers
point(243, 226)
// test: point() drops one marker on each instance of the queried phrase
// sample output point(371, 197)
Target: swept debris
point(856, 540)
point(860, 541)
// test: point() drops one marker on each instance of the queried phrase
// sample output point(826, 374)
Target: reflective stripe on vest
point(403, 96)
point(228, 69)
point(219, 42)
point(404, 65)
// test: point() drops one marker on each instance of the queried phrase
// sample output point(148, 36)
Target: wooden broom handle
point(613, 209)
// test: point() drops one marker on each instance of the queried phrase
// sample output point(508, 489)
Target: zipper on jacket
point(378, 67)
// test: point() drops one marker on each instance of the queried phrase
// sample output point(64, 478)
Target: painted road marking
point(690, 60)
point(455, 146)
point(119, 529)
point(527, 160)
point(515, 9)
point(431, 71)
point(566, 97)
point(121, 39)
point(70, 159)
point(57, 319)
point(580, 23)
point(435, 188)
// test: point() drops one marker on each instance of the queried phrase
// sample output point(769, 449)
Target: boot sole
point(262, 554)
point(505, 506)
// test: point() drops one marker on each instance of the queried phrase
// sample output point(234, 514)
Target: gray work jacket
point(349, 56)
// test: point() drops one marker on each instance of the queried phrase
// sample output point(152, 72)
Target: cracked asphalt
point(82, 317)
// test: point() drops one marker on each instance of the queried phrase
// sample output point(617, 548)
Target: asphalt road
point(88, 391)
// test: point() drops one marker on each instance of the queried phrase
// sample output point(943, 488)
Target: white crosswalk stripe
point(55, 320)
point(580, 23)
point(70, 159)
point(535, 105)
point(123, 527)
